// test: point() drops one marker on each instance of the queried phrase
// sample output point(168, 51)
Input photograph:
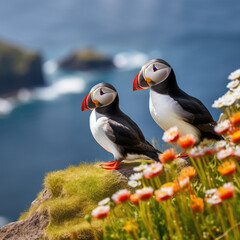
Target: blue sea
point(45, 130)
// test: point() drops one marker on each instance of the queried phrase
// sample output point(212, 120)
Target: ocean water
point(45, 130)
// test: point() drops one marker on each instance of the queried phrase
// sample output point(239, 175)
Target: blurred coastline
point(43, 129)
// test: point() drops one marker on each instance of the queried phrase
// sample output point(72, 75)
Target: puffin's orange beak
point(136, 85)
point(84, 106)
point(88, 104)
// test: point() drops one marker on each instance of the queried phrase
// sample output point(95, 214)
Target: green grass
point(75, 192)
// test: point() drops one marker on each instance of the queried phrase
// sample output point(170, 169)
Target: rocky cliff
point(86, 59)
point(19, 68)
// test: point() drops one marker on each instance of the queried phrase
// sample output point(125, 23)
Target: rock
point(32, 227)
point(19, 68)
point(86, 59)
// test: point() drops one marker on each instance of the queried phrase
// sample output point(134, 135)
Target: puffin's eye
point(101, 91)
point(154, 68)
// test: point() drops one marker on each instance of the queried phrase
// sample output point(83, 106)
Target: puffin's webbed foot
point(108, 163)
point(182, 154)
point(111, 166)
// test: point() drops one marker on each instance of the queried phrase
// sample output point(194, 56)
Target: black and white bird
point(170, 106)
point(114, 130)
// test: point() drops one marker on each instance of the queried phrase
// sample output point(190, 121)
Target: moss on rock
point(72, 193)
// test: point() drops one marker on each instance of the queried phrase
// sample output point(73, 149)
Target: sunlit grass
point(75, 191)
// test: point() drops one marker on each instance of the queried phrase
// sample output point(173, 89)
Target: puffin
point(113, 130)
point(170, 106)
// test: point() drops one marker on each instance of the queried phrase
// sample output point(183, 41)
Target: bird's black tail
point(152, 155)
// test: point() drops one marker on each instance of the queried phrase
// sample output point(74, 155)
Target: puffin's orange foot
point(108, 163)
point(111, 167)
point(182, 154)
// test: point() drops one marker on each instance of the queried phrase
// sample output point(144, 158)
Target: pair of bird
point(168, 104)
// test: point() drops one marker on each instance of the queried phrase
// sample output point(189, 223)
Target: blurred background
point(53, 52)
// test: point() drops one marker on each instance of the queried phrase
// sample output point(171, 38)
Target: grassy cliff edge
point(70, 194)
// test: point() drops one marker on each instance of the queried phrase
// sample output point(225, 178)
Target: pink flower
point(101, 211)
point(121, 196)
point(196, 152)
point(225, 153)
point(171, 134)
point(226, 191)
point(153, 170)
point(237, 152)
point(144, 193)
point(222, 127)
point(209, 150)
point(164, 193)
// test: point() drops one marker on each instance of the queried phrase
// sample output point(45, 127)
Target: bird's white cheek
point(107, 98)
point(160, 75)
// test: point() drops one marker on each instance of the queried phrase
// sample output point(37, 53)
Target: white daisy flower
point(225, 153)
point(229, 98)
point(140, 168)
point(210, 192)
point(234, 75)
point(236, 90)
point(214, 200)
point(220, 145)
point(171, 134)
point(104, 201)
point(229, 101)
point(133, 183)
point(196, 152)
point(233, 84)
point(136, 176)
point(219, 103)
point(222, 127)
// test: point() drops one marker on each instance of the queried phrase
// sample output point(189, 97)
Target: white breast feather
point(164, 111)
point(97, 128)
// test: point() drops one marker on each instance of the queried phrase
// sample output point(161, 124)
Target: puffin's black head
point(152, 73)
point(100, 95)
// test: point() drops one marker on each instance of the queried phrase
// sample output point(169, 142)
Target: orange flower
point(197, 204)
point(135, 198)
point(226, 191)
point(227, 168)
point(182, 181)
point(235, 136)
point(186, 141)
point(131, 225)
point(235, 118)
point(188, 171)
point(167, 155)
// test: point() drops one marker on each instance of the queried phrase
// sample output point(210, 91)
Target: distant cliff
point(86, 59)
point(19, 68)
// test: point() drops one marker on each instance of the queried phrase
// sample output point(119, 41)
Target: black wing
point(194, 110)
point(196, 113)
point(126, 135)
